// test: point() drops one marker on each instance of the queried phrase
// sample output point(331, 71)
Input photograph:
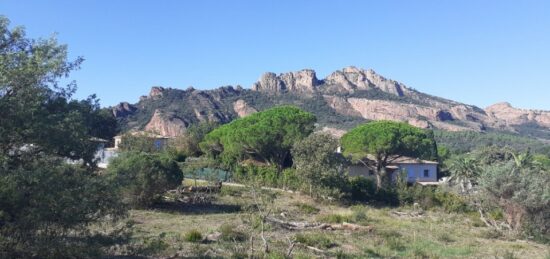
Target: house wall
point(356, 170)
point(415, 172)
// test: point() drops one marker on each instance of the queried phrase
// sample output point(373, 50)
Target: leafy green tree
point(523, 160)
point(47, 205)
point(265, 136)
point(386, 141)
point(139, 143)
point(144, 177)
point(317, 164)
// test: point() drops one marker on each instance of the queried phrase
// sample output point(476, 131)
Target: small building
point(416, 170)
point(159, 141)
point(105, 154)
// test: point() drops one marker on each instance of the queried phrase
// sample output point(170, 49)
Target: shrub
point(335, 218)
point(260, 174)
point(306, 208)
point(361, 189)
point(290, 179)
point(143, 177)
point(230, 233)
point(359, 214)
point(193, 236)
point(522, 194)
point(315, 240)
point(451, 202)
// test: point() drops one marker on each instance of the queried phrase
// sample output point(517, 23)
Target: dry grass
point(435, 235)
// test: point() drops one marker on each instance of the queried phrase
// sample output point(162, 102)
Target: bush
point(230, 233)
point(260, 174)
point(143, 177)
point(306, 208)
point(335, 218)
point(291, 180)
point(361, 188)
point(315, 240)
point(451, 202)
point(359, 214)
point(193, 236)
point(522, 194)
point(46, 207)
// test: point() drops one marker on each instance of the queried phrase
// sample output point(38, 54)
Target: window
point(426, 173)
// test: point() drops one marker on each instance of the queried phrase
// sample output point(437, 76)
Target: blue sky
point(477, 52)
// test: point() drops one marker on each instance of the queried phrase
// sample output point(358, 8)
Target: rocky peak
point(303, 81)
point(123, 109)
point(156, 91)
point(165, 125)
point(513, 116)
point(353, 78)
point(242, 108)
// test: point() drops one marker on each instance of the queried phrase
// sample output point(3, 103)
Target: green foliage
point(144, 142)
point(43, 200)
point(264, 136)
point(306, 208)
point(522, 194)
point(46, 205)
point(318, 166)
point(290, 179)
point(231, 234)
point(361, 188)
point(318, 240)
point(193, 236)
point(386, 139)
point(466, 141)
point(259, 174)
point(465, 170)
point(187, 144)
point(144, 177)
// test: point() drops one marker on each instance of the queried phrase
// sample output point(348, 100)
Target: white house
point(104, 154)
point(417, 170)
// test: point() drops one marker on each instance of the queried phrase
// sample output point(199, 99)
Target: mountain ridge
point(341, 100)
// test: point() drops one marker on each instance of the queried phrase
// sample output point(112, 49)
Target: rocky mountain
point(342, 100)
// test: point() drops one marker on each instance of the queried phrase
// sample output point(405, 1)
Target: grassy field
point(176, 230)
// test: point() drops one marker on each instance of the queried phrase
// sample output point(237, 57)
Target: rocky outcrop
point(243, 109)
point(156, 91)
point(347, 80)
point(166, 126)
point(512, 116)
point(352, 78)
point(123, 109)
point(417, 115)
point(341, 105)
point(303, 81)
point(388, 110)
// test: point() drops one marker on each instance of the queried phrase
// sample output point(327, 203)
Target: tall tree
point(267, 136)
point(317, 164)
point(387, 141)
point(46, 205)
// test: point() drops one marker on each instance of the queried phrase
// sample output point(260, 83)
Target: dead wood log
point(293, 225)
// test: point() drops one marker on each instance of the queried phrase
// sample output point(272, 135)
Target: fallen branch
point(414, 214)
point(293, 225)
